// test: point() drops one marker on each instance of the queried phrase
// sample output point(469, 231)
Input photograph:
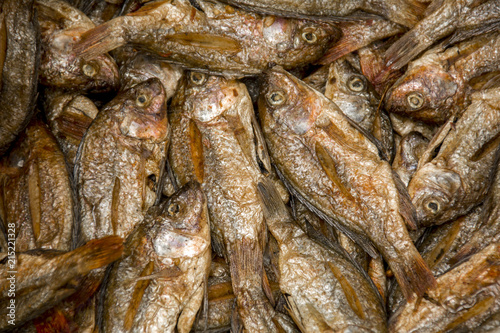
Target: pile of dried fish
point(249, 166)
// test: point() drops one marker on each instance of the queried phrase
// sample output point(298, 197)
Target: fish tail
point(98, 253)
point(52, 320)
point(465, 252)
point(413, 274)
point(404, 49)
point(345, 45)
point(101, 39)
point(253, 307)
point(404, 12)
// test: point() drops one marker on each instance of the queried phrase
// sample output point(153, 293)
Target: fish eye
point(415, 100)
point(142, 100)
point(433, 206)
point(309, 36)
point(173, 209)
point(356, 84)
point(276, 98)
point(89, 70)
point(198, 78)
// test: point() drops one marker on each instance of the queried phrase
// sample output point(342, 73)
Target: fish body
point(61, 26)
point(160, 284)
point(328, 162)
point(457, 169)
point(464, 297)
point(38, 202)
point(216, 39)
point(69, 115)
point(19, 33)
point(406, 13)
point(120, 160)
point(354, 95)
point(435, 85)
point(324, 290)
point(216, 141)
point(43, 278)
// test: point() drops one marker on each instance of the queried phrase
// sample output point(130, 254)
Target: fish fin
point(243, 135)
point(294, 312)
point(433, 6)
point(260, 143)
point(485, 150)
point(272, 205)
point(34, 197)
point(98, 252)
point(405, 12)
point(196, 146)
point(359, 239)
point(406, 208)
point(479, 307)
point(206, 41)
point(463, 34)
point(267, 288)
point(138, 293)
point(350, 42)
point(115, 201)
point(101, 39)
point(166, 274)
point(349, 292)
point(465, 252)
point(52, 320)
point(413, 275)
point(381, 150)
point(404, 50)
point(328, 165)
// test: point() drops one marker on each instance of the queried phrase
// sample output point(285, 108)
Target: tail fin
point(405, 12)
point(356, 36)
point(98, 253)
point(413, 274)
point(101, 39)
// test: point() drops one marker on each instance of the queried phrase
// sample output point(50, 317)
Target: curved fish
point(120, 159)
point(324, 289)
point(215, 38)
point(61, 26)
point(435, 85)
point(37, 193)
point(160, 283)
point(19, 33)
point(338, 172)
point(457, 169)
point(216, 141)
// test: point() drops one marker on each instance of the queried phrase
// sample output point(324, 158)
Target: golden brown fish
point(435, 85)
point(161, 282)
point(337, 171)
point(19, 32)
point(216, 140)
point(215, 38)
point(37, 199)
point(464, 297)
point(324, 289)
point(457, 169)
point(405, 12)
point(120, 160)
point(61, 27)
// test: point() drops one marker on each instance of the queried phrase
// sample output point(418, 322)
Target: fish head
point(142, 112)
point(62, 69)
point(298, 41)
point(433, 191)
point(351, 91)
point(288, 101)
point(206, 97)
point(424, 93)
point(182, 220)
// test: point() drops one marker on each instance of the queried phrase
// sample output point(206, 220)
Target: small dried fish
point(457, 169)
point(160, 283)
point(216, 38)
